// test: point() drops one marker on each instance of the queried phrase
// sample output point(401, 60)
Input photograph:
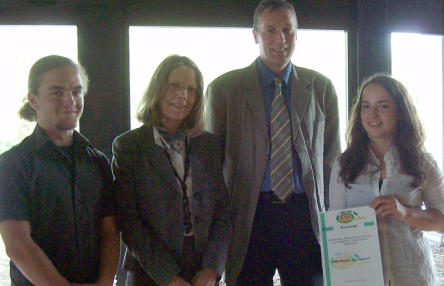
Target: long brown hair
point(409, 134)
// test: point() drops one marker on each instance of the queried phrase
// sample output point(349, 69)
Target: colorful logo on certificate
point(342, 260)
point(348, 216)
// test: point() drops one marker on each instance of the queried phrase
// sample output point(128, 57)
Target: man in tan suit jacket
point(270, 233)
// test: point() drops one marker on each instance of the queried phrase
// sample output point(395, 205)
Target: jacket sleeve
point(215, 254)
point(337, 189)
point(433, 189)
point(216, 112)
point(142, 242)
point(332, 143)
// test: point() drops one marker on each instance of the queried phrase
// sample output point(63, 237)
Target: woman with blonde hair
point(172, 202)
point(386, 167)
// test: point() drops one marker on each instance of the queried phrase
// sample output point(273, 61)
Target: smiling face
point(276, 36)
point(59, 102)
point(379, 114)
point(179, 98)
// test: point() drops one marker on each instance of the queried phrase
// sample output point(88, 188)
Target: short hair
point(149, 112)
point(409, 134)
point(38, 69)
point(271, 5)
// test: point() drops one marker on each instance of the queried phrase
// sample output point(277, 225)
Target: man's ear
point(255, 36)
point(32, 99)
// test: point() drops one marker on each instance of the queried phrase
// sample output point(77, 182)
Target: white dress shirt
point(405, 252)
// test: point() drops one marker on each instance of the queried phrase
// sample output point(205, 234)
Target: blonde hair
point(149, 109)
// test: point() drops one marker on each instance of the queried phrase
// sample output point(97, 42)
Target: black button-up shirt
point(63, 198)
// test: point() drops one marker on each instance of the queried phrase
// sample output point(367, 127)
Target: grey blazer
point(235, 112)
point(149, 204)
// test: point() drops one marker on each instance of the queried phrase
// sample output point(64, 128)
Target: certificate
point(350, 247)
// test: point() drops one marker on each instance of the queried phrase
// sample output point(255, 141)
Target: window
point(24, 46)
point(218, 50)
point(417, 61)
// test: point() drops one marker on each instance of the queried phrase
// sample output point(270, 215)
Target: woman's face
point(379, 114)
point(179, 98)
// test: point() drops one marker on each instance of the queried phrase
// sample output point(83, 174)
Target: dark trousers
point(282, 238)
point(189, 264)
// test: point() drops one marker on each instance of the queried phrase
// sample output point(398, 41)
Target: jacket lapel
point(254, 125)
point(157, 158)
point(255, 103)
point(301, 93)
point(300, 97)
point(195, 163)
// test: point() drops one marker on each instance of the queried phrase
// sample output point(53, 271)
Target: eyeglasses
point(179, 87)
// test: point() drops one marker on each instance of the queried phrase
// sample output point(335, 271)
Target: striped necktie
point(281, 161)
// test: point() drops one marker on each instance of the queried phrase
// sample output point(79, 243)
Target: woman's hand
point(389, 205)
point(178, 281)
point(429, 220)
point(205, 277)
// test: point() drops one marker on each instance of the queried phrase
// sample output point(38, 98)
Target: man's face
point(59, 102)
point(276, 35)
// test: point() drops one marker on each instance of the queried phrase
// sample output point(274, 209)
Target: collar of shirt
point(391, 159)
point(42, 139)
point(266, 75)
point(159, 140)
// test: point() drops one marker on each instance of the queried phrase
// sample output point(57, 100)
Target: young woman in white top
point(386, 167)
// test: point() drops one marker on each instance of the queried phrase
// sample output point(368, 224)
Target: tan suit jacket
point(149, 204)
point(235, 112)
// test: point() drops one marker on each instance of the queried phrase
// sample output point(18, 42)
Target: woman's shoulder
point(430, 164)
point(206, 137)
point(133, 136)
point(207, 142)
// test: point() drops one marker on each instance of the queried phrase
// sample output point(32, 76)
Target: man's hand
point(178, 281)
point(205, 277)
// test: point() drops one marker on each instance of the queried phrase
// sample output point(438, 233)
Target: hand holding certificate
point(350, 248)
